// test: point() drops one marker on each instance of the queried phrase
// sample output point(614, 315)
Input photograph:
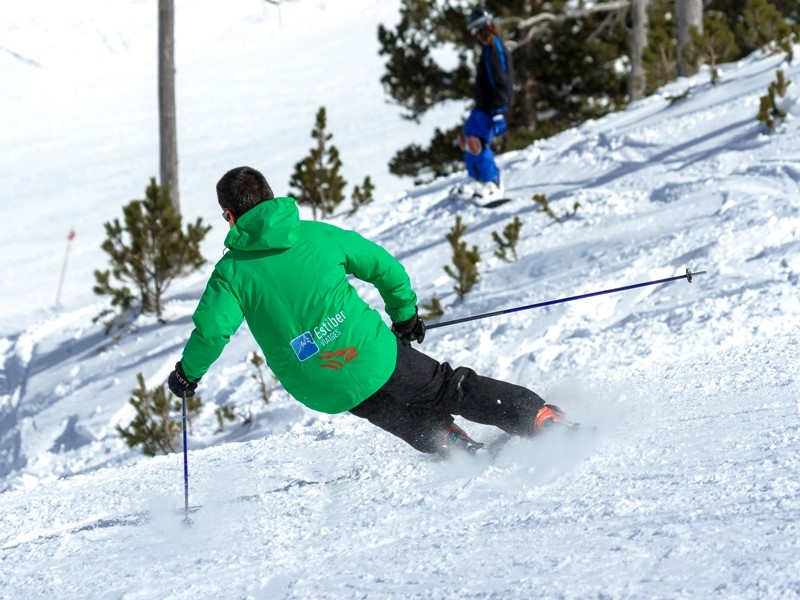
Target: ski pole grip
point(689, 274)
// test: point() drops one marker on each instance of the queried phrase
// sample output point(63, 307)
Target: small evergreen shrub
point(258, 362)
point(224, 413)
point(465, 261)
point(508, 241)
point(158, 421)
point(770, 112)
point(544, 207)
point(434, 310)
point(676, 98)
point(362, 195)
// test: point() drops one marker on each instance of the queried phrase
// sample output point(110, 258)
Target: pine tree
point(316, 178)
point(413, 77)
point(717, 44)
point(565, 73)
point(760, 24)
point(157, 423)
point(149, 251)
point(441, 157)
point(659, 55)
point(569, 63)
point(573, 70)
point(465, 261)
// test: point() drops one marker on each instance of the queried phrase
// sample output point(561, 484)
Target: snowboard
point(493, 203)
point(480, 204)
point(457, 194)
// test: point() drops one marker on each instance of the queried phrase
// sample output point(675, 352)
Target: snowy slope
point(689, 488)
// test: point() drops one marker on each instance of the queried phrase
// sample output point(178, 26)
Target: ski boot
point(463, 191)
point(549, 416)
point(489, 191)
point(456, 440)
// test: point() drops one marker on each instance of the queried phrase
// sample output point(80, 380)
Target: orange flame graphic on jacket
point(338, 358)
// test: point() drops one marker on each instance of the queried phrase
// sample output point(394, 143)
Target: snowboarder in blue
point(493, 86)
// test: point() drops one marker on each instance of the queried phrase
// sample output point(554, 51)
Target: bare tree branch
point(536, 24)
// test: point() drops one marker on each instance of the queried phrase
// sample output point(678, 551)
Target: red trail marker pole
point(70, 237)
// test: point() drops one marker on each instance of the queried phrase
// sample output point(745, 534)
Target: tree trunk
point(639, 27)
point(166, 101)
point(688, 14)
point(526, 117)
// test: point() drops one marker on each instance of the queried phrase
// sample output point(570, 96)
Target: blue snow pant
point(481, 166)
point(419, 400)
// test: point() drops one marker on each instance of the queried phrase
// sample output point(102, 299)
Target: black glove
point(179, 384)
point(412, 330)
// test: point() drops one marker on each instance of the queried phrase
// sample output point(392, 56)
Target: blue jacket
point(494, 78)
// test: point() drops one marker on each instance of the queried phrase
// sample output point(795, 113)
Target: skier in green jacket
point(331, 351)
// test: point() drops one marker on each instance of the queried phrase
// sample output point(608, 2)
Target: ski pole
point(186, 518)
point(687, 276)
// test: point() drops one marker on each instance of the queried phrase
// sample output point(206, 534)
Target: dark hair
point(241, 189)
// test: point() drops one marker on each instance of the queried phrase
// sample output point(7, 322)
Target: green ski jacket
point(289, 279)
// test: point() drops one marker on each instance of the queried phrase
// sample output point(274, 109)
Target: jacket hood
point(271, 225)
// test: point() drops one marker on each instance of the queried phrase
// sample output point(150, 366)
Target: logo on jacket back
point(305, 346)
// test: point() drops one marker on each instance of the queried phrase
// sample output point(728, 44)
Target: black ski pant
point(419, 400)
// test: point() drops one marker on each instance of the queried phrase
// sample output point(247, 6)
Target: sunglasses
point(226, 216)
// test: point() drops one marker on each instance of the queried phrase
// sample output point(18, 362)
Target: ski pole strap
point(687, 276)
